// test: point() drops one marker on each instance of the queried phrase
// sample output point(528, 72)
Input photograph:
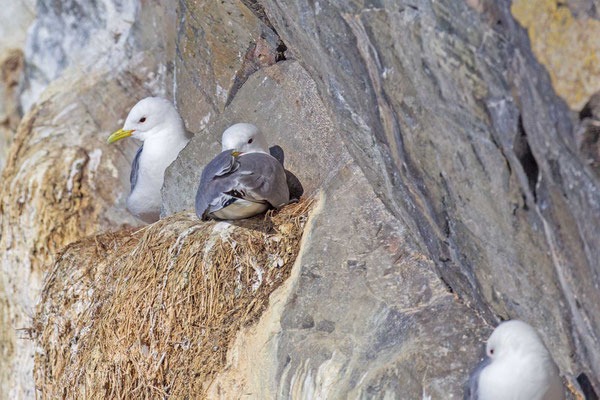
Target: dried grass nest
point(151, 313)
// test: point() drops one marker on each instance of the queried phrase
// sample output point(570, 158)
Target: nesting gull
point(156, 123)
point(243, 180)
point(517, 366)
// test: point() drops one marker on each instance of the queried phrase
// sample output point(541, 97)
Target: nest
point(151, 313)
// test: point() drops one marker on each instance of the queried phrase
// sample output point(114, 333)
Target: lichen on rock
point(566, 44)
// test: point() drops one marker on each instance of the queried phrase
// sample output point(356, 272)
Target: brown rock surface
point(62, 182)
point(457, 184)
point(564, 38)
point(11, 70)
point(219, 44)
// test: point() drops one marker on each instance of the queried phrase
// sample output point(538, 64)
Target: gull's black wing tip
point(277, 152)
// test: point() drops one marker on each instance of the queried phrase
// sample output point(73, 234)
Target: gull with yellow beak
point(243, 180)
point(157, 124)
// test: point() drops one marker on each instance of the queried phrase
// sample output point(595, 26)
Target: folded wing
point(472, 386)
point(251, 177)
point(135, 168)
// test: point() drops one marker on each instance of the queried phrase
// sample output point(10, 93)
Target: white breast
point(520, 377)
point(240, 209)
point(145, 200)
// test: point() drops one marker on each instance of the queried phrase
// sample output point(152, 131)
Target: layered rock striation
point(453, 147)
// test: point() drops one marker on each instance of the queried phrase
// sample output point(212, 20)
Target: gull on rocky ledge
point(157, 124)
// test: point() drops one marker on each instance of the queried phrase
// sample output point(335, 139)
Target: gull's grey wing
point(135, 168)
point(223, 164)
point(255, 177)
point(260, 178)
point(472, 386)
point(211, 188)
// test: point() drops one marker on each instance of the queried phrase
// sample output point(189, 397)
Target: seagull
point(517, 366)
point(243, 180)
point(157, 124)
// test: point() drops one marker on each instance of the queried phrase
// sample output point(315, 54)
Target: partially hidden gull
point(243, 180)
point(517, 366)
point(157, 124)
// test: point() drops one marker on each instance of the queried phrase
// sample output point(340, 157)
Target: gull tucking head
point(512, 337)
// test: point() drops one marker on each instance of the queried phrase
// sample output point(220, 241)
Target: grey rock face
point(363, 316)
point(365, 310)
point(94, 35)
point(457, 128)
point(15, 17)
point(455, 187)
point(71, 30)
point(283, 102)
point(219, 44)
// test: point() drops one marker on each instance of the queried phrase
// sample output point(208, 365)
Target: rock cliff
point(452, 149)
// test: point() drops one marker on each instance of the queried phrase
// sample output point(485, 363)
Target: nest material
point(151, 313)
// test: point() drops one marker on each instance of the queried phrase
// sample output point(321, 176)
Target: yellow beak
point(118, 135)
point(236, 153)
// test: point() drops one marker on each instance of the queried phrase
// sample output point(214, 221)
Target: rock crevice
point(453, 147)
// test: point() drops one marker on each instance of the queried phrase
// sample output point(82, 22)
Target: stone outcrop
point(458, 128)
point(560, 32)
point(61, 181)
point(342, 316)
point(11, 70)
point(16, 16)
point(363, 315)
point(453, 147)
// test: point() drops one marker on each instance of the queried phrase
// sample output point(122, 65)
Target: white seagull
point(243, 180)
point(517, 366)
point(156, 123)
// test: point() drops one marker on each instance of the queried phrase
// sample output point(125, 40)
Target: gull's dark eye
point(250, 141)
point(143, 119)
point(491, 351)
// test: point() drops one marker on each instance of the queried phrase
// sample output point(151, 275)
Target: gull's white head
point(513, 337)
point(244, 138)
point(518, 367)
point(149, 117)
